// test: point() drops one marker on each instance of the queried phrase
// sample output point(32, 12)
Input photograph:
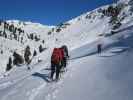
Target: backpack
point(62, 53)
point(56, 56)
point(65, 50)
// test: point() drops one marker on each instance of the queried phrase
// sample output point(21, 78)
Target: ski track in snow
point(51, 89)
point(10, 86)
point(35, 91)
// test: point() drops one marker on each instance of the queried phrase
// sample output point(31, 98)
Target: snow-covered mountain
point(81, 30)
point(97, 76)
point(85, 28)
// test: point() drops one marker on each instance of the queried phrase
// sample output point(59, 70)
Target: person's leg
point(98, 49)
point(52, 71)
point(65, 62)
point(58, 67)
point(62, 65)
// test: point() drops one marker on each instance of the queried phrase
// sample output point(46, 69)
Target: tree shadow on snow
point(43, 76)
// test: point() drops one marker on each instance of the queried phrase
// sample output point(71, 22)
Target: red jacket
point(57, 55)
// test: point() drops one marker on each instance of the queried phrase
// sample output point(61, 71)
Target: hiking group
point(59, 60)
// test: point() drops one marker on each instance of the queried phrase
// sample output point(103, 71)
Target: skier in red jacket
point(56, 62)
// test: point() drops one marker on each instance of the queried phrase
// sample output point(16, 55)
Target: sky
point(48, 12)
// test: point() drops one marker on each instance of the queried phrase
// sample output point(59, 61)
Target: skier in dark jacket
point(56, 60)
point(66, 56)
point(99, 48)
point(65, 50)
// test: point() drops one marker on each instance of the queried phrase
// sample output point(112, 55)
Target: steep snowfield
point(96, 76)
point(101, 77)
point(82, 30)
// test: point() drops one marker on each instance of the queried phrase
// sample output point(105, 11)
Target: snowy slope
point(74, 33)
point(107, 75)
point(85, 28)
point(99, 78)
point(89, 75)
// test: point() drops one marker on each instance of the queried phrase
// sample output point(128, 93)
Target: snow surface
point(97, 77)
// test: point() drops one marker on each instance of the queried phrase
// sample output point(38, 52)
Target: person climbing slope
point(56, 60)
point(99, 48)
point(66, 56)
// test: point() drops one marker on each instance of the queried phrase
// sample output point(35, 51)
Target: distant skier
point(56, 60)
point(99, 48)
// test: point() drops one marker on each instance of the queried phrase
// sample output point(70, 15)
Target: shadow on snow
point(43, 76)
